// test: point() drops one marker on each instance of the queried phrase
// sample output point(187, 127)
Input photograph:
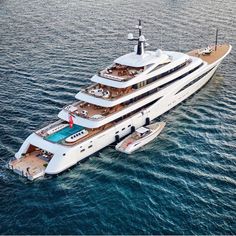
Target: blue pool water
point(63, 133)
point(183, 182)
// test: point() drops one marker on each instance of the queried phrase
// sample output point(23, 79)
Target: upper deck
point(121, 72)
point(210, 55)
point(107, 96)
point(130, 65)
point(125, 75)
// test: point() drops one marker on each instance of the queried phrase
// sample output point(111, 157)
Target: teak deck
point(114, 92)
point(221, 50)
point(30, 166)
point(121, 72)
point(95, 110)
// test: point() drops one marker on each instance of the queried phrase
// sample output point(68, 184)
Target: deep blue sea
point(184, 182)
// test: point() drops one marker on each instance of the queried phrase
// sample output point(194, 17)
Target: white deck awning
point(134, 60)
point(142, 130)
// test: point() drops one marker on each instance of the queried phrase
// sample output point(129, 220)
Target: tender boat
point(140, 137)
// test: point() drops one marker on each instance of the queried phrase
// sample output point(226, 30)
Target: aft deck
point(30, 166)
point(213, 56)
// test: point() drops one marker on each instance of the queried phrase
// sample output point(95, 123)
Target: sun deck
point(213, 56)
point(121, 72)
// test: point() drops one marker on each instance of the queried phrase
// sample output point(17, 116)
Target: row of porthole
point(88, 147)
point(76, 135)
point(81, 150)
point(123, 129)
point(92, 145)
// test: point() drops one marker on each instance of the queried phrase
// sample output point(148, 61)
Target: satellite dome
point(130, 36)
point(159, 52)
point(142, 38)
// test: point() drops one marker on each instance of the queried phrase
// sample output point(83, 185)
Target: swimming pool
point(64, 133)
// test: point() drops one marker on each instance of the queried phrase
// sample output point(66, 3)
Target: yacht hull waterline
point(138, 88)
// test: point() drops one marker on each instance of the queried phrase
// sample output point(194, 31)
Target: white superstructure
point(137, 88)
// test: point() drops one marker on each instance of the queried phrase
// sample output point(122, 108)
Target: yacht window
point(90, 146)
point(82, 150)
point(141, 84)
point(139, 109)
point(180, 77)
point(166, 73)
point(194, 81)
point(158, 67)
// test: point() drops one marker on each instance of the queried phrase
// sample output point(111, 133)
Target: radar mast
point(139, 49)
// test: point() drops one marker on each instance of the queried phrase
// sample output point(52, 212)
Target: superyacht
point(128, 94)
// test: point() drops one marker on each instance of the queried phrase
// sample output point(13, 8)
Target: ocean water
point(184, 182)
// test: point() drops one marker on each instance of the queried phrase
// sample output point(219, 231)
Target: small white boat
point(140, 137)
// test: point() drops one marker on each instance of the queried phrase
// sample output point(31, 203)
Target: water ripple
point(181, 183)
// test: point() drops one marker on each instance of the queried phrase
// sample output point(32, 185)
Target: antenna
point(139, 27)
point(161, 36)
point(216, 39)
point(141, 39)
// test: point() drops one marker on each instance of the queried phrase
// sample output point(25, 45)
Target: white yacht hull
point(66, 156)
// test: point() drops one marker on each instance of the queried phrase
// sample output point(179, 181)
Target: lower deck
point(32, 165)
point(61, 135)
point(91, 133)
